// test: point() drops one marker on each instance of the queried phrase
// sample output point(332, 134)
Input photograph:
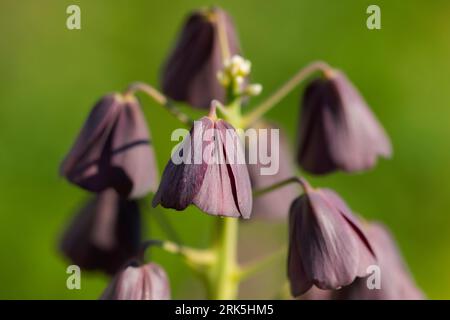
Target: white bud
point(254, 89)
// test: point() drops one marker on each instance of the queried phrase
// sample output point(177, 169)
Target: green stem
point(284, 90)
point(160, 99)
point(223, 280)
point(277, 185)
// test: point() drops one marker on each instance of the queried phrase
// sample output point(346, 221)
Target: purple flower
point(105, 234)
point(113, 150)
point(327, 247)
point(146, 282)
point(396, 281)
point(274, 204)
point(211, 175)
point(338, 131)
point(190, 73)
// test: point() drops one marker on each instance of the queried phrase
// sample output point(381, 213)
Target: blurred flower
point(338, 131)
point(211, 175)
point(396, 281)
point(327, 248)
point(113, 150)
point(146, 282)
point(274, 204)
point(190, 73)
point(105, 234)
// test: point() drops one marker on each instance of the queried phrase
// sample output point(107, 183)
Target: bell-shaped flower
point(208, 170)
point(327, 247)
point(113, 150)
point(104, 235)
point(338, 131)
point(144, 282)
point(190, 73)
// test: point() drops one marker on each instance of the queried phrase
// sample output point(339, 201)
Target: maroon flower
point(146, 282)
point(396, 281)
point(274, 204)
point(190, 73)
point(105, 234)
point(113, 150)
point(327, 248)
point(338, 131)
point(210, 175)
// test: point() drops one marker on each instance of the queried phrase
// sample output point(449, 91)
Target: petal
point(226, 189)
point(358, 136)
point(327, 243)
point(132, 152)
point(147, 282)
point(180, 183)
point(300, 281)
point(104, 235)
point(314, 147)
point(84, 163)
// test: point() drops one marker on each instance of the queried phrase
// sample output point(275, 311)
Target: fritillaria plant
point(113, 157)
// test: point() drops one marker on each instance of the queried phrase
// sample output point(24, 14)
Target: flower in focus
point(113, 150)
point(338, 131)
point(212, 174)
point(274, 204)
point(327, 247)
point(105, 234)
point(396, 280)
point(145, 282)
point(190, 72)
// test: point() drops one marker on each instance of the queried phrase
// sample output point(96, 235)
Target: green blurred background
point(51, 76)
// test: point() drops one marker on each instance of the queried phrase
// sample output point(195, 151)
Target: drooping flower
point(105, 234)
point(209, 171)
point(145, 282)
point(338, 131)
point(113, 150)
point(274, 204)
point(190, 72)
point(396, 282)
point(327, 247)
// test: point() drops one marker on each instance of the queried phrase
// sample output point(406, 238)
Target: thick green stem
point(223, 279)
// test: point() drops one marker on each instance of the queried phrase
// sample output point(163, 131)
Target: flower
point(113, 150)
point(145, 282)
point(396, 281)
point(338, 131)
point(190, 72)
point(274, 204)
point(327, 247)
point(212, 174)
point(105, 234)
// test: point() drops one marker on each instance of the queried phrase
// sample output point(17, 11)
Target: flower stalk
point(284, 90)
point(159, 98)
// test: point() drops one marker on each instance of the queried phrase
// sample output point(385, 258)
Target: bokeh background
point(51, 76)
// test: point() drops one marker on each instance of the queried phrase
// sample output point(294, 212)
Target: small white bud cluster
point(234, 73)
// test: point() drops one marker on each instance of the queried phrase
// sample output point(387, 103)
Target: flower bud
point(104, 235)
point(190, 72)
point(113, 150)
point(327, 247)
point(146, 282)
point(338, 131)
point(212, 174)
